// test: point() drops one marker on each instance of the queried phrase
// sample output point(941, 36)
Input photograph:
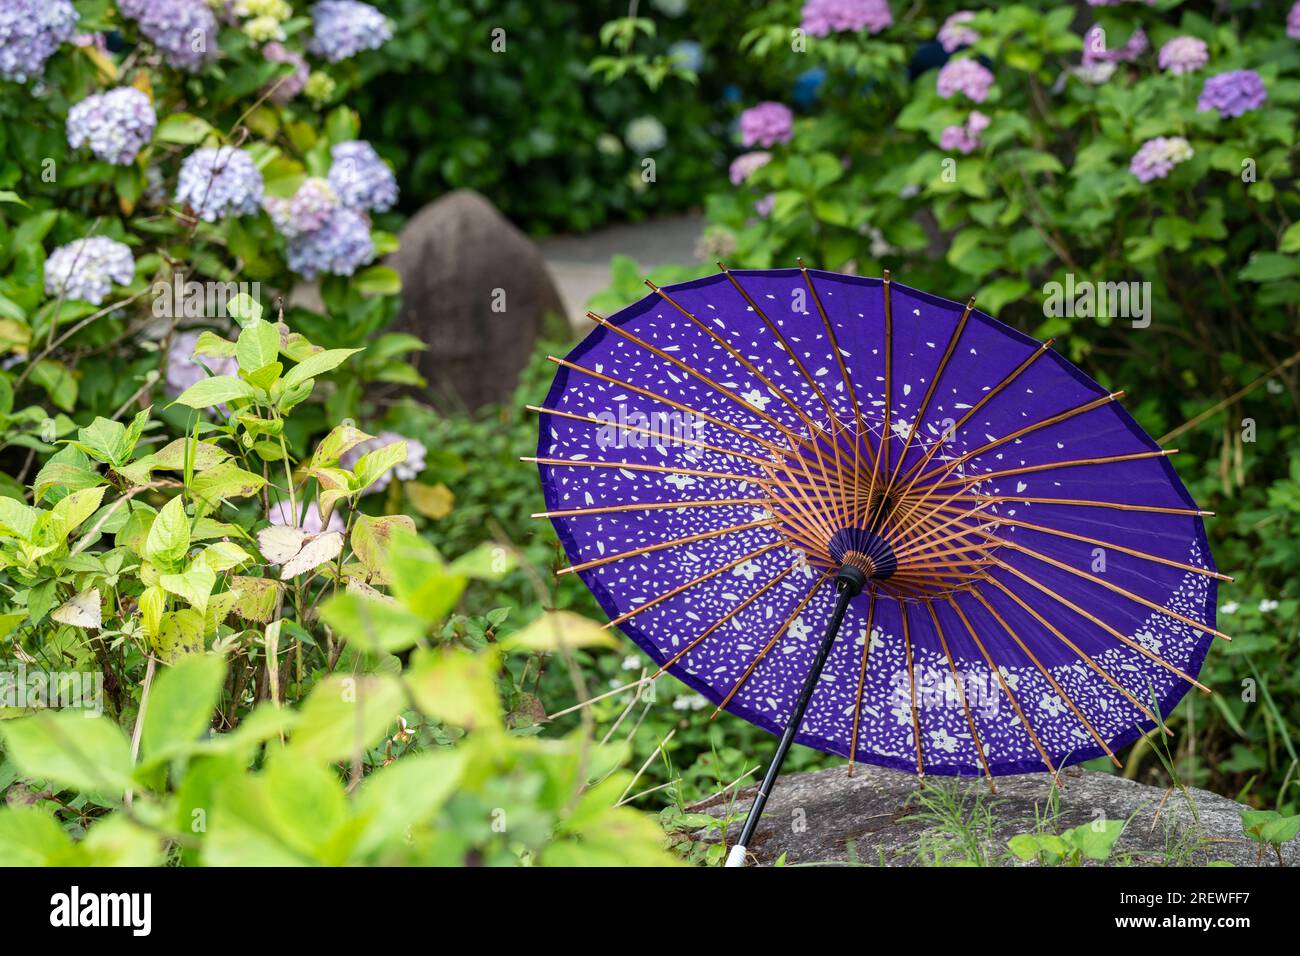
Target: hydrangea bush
point(1008, 152)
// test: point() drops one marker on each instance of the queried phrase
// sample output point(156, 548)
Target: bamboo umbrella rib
point(1123, 639)
point(635, 466)
point(649, 506)
point(1069, 701)
point(661, 545)
point(1146, 711)
point(1048, 466)
point(929, 393)
point(649, 393)
point(695, 373)
point(862, 679)
point(961, 695)
point(974, 409)
point(1086, 407)
point(734, 563)
point(758, 659)
point(695, 642)
point(911, 684)
point(1132, 552)
point(1038, 744)
point(1118, 505)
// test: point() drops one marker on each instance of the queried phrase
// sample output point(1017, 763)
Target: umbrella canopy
point(1038, 589)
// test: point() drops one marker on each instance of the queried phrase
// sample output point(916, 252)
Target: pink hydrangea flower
point(744, 165)
point(281, 514)
point(965, 76)
point(766, 125)
point(954, 34)
point(764, 206)
point(965, 138)
point(823, 17)
point(184, 370)
point(1095, 51)
point(1184, 55)
point(1157, 157)
point(1293, 22)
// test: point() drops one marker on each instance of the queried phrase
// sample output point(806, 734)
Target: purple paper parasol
point(732, 462)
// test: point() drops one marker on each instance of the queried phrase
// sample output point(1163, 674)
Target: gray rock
point(476, 291)
point(878, 816)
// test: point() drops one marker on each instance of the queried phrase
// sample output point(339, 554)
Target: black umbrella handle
point(848, 584)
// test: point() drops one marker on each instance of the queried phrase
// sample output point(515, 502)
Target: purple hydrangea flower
point(766, 125)
point(765, 205)
point(184, 31)
point(360, 178)
point(1094, 47)
point(116, 124)
point(338, 248)
point(344, 28)
point(30, 32)
point(1232, 93)
point(287, 88)
point(954, 34)
point(1293, 22)
point(87, 269)
point(966, 76)
point(184, 370)
point(823, 17)
point(282, 514)
point(308, 209)
point(1157, 157)
point(221, 182)
point(744, 165)
point(965, 138)
point(407, 470)
point(1184, 55)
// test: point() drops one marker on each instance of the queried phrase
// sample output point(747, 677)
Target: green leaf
point(226, 480)
point(345, 715)
point(1269, 266)
point(455, 686)
point(216, 390)
point(247, 311)
point(180, 706)
point(258, 345)
point(184, 129)
point(70, 749)
point(373, 465)
point(375, 625)
point(557, 629)
point(169, 536)
point(487, 562)
point(397, 797)
point(194, 585)
point(316, 364)
point(371, 537)
point(341, 439)
point(29, 837)
point(1097, 839)
point(377, 280)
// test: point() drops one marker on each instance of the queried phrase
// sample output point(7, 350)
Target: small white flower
point(1267, 605)
point(631, 662)
point(1230, 608)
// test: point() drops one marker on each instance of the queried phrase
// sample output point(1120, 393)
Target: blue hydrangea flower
point(116, 125)
point(87, 269)
point(338, 248)
point(360, 178)
point(344, 28)
point(30, 32)
point(1232, 93)
point(217, 183)
point(306, 211)
point(184, 31)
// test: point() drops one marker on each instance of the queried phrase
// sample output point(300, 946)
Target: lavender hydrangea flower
point(184, 31)
point(766, 125)
point(116, 124)
point(407, 470)
point(30, 32)
point(1293, 22)
point(966, 76)
point(823, 17)
point(1157, 157)
point(965, 138)
point(218, 183)
point(344, 28)
point(184, 370)
point(744, 165)
point(306, 211)
point(287, 88)
point(954, 34)
point(765, 205)
point(1184, 55)
point(360, 178)
point(1094, 47)
point(1232, 93)
point(282, 514)
point(87, 269)
point(339, 247)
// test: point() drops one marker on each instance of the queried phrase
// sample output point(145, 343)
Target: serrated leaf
point(258, 346)
point(169, 535)
point(316, 364)
point(226, 480)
